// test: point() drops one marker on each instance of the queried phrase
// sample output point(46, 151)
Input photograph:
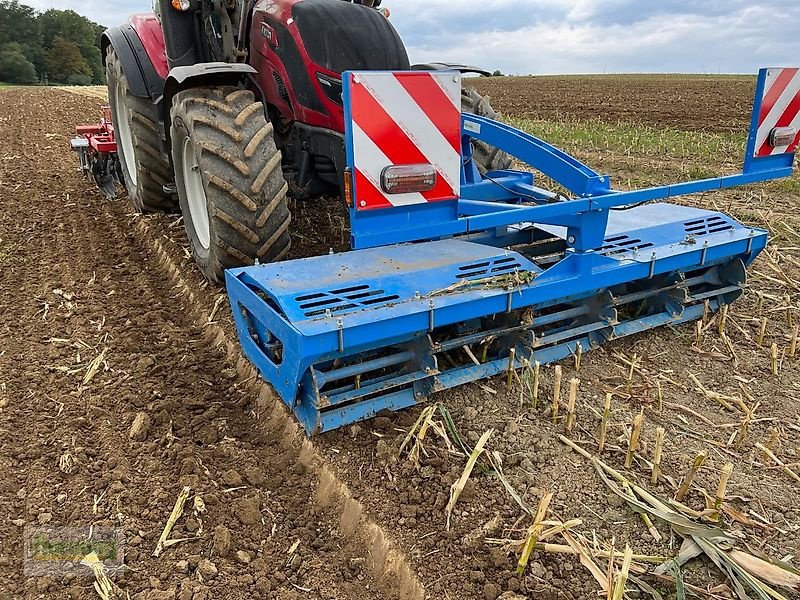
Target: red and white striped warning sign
point(780, 108)
point(405, 118)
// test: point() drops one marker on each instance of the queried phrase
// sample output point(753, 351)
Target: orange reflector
point(402, 179)
point(782, 136)
point(348, 187)
point(181, 5)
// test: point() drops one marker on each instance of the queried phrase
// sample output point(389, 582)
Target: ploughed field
point(121, 385)
point(718, 103)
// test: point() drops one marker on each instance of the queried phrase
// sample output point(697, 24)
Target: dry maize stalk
point(573, 393)
point(533, 533)
point(723, 319)
point(556, 392)
point(784, 467)
point(657, 452)
point(773, 353)
point(604, 423)
point(176, 513)
point(458, 486)
point(102, 584)
point(722, 488)
point(633, 443)
point(762, 330)
point(622, 579)
point(698, 462)
point(793, 341)
point(511, 354)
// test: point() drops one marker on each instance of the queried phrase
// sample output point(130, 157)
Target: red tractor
point(225, 107)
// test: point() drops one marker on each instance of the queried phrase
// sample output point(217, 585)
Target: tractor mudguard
point(216, 73)
point(144, 65)
point(201, 75)
point(205, 74)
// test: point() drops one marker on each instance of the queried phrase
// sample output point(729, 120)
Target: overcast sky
point(572, 36)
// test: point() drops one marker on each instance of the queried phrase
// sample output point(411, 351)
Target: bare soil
point(208, 430)
point(77, 283)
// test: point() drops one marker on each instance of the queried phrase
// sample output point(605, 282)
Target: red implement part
point(97, 153)
point(100, 136)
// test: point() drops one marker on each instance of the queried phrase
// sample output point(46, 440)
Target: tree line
point(54, 46)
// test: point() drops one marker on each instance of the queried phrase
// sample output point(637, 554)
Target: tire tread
point(244, 185)
point(153, 171)
point(488, 158)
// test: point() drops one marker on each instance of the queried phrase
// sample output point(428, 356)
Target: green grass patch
point(639, 156)
point(627, 139)
point(787, 186)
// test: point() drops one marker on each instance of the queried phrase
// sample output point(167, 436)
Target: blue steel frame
point(391, 311)
point(510, 197)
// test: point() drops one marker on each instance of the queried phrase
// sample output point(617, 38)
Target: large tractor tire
point(230, 184)
point(145, 172)
point(488, 158)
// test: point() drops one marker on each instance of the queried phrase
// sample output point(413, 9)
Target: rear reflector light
point(782, 136)
point(348, 187)
point(402, 179)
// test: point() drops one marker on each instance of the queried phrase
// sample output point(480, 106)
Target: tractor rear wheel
point(488, 158)
point(145, 172)
point(229, 178)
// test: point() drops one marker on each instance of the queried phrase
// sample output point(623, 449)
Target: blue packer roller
point(437, 293)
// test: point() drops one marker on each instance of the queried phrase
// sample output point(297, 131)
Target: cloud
point(572, 36)
point(595, 36)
